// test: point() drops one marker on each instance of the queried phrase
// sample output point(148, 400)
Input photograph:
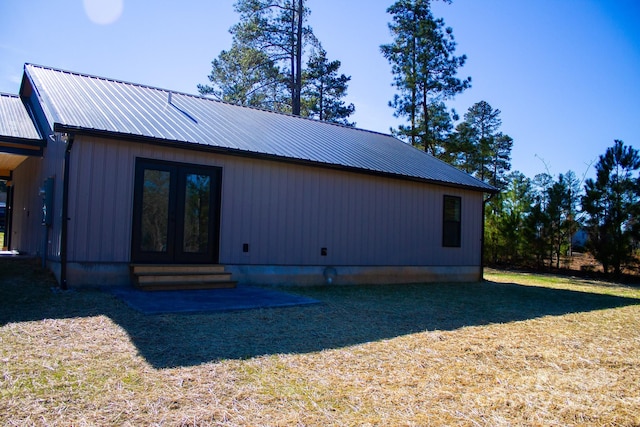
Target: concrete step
point(141, 269)
point(185, 286)
point(184, 278)
point(181, 276)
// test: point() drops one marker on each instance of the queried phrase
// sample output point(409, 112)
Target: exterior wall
point(28, 233)
point(286, 213)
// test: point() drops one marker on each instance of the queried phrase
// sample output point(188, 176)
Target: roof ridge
point(175, 92)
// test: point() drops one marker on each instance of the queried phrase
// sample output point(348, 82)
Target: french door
point(176, 213)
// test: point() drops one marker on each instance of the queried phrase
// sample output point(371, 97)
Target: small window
point(451, 222)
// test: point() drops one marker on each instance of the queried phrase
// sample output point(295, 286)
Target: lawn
point(517, 349)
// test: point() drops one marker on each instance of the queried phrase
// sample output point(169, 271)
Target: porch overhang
point(14, 152)
point(19, 135)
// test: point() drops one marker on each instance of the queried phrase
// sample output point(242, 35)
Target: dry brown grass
point(548, 352)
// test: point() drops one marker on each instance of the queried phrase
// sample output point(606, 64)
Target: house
point(105, 175)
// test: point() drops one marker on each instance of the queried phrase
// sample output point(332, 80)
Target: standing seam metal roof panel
point(15, 121)
point(80, 101)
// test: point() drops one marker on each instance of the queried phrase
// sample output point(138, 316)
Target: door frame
point(176, 214)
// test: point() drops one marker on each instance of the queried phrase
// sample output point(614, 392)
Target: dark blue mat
point(207, 301)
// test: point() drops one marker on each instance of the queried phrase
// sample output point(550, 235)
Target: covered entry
point(19, 139)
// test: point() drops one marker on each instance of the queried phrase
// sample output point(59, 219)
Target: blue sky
point(564, 73)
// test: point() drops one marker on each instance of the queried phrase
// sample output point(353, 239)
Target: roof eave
point(59, 127)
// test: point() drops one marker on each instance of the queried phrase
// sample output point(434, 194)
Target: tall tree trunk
point(425, 111)
point(298, 60)
point(321, 101)
point(414, 96)
point(292, 59)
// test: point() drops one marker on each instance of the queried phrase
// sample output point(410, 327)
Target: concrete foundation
point(118, 274)
point(93, 274)
point(350, 275)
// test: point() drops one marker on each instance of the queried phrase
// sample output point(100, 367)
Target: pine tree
point(245, 76)
point(265, 66)
point(479, 148)
point(278, 29)
point(424, 68)
point(612, 202)
point(324, 89)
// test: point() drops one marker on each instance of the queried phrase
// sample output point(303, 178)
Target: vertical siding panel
point(327, 232)
point(406, 202)
point(397, 217)
point(109, 203)
point(285, 212)
point(247, 205)
point(123, 206)
point(79, 200)
point(268, 203)
point(339, 222)
point(227, 219)
point(74, 194)
point(310, 214)
point(261, 203)
point(240, 210)
point(386, 222)
point(325, 209)
point(356, 217)
point(281, 233)
point(429, 215)
point(417, 251)
point(287, 230)
point(365, 216)
point(368, 241)
point(224, 218)
point(353, 243)
point(372, 219)
point(97, 217)
point(362, 216)
point(411, 226)
point(296, 200)
point(435, 232)
point(258, 209)
point(290, 230)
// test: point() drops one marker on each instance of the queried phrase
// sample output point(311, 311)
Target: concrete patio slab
point(207, 301)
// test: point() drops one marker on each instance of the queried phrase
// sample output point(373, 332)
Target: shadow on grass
point(347, 316)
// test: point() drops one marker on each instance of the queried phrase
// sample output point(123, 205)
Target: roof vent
point(170, 102)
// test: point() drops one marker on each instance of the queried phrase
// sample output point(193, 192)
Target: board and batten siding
point(285, 212)
point(28, 233)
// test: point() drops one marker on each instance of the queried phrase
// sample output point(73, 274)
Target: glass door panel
point(197, 202)
point(155, 211)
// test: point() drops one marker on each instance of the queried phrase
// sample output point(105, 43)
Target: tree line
point(277, 63)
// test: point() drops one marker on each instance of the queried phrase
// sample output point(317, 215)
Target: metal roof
point(79, 102)
point(15, 121)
